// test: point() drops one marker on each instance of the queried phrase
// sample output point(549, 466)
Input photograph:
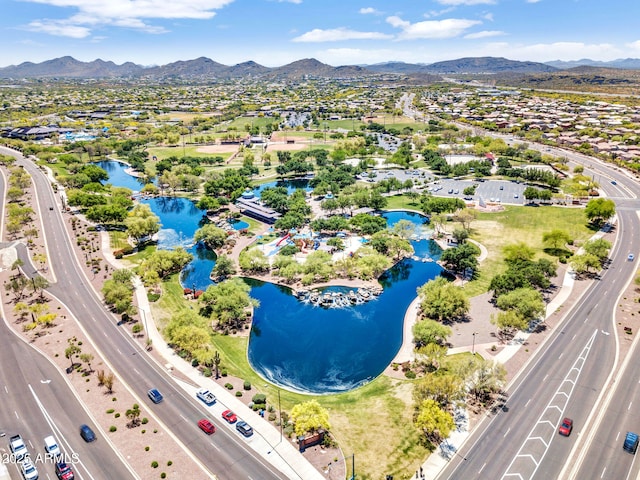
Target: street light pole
point(473, 345)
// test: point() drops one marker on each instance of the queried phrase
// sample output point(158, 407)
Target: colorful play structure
point(286, 237)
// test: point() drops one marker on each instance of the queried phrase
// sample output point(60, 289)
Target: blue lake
point(294, 344)
point(118, 177)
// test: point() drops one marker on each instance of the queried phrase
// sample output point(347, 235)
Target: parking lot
point(500, 191)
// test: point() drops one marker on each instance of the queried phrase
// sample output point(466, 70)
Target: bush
point(247, 385)
point(169, 463)
point(207, 372)
point(146, 449)
point(113, 428)
point(195, 362)
point(153, 297)
point(137, 328)
point(154, 464)
point(144, 420)
point(228, 386)
point(410, 374)
point(223, 372)
point(163, 475)
point(259, 398)
point(238, 393)
point(117, 415)
point(110, 411)
point(272, 417)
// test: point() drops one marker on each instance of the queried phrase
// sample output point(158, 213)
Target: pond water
point(118, 177)
point(294, 344)
point(290, 185)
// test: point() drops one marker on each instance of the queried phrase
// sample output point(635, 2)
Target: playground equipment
point(283, 239)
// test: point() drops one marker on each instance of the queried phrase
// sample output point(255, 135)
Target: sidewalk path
point(266, 440)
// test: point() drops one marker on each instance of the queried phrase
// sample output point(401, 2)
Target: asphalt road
point(224, 454)
point(569, 377)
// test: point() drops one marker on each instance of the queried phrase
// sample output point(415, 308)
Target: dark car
point(630, 442)
point(87, 434)
point(565, 427)
point(244, 428)
point(206, 426)
point(229, 416)
point(64, 472)
point(155, 395)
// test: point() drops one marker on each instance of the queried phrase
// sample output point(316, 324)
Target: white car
point(28, 469)
point(206, 396)
point(51, 446)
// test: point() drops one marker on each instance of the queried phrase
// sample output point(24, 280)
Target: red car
point(229, 416)
point(206, 426)
point(64, 472)
point(565, 427)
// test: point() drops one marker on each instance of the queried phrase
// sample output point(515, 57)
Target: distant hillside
point(200, 68)
point(470, 65)
point(623, 63)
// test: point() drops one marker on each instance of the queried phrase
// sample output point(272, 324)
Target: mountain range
point(205, 68)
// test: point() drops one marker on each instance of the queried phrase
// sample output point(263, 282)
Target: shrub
point(153, 297)
point(260, 398)
point(223, 372)
point(272, 417)
point(144, 420)
point(247, 385)
point(228, 386)
point(163, 475)
point(154, 464)
point(169, 463)
point(238, 393)
point(207, 372)
point(117, 415)
point(113, 428)
point(143, 431)
point(110, 411)
point(195, 362)
point(146, 449)
point(410, 374)
point(137, 328)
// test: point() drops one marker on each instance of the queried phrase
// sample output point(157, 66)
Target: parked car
point(51, 446)
point(206, 396)
point(565, 427)
point(206, 426)
point(64, 471)
point(155, 395)
point(28, 469)
point(87, 434)
point(244, 428)
point(229, 416)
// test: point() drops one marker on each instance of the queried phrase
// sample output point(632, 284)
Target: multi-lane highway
point(571, 375)
point(226, 455)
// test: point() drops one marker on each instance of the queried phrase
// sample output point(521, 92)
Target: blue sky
point(345, 32)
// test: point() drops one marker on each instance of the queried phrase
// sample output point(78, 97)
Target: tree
point(309, 417)
point(404, 229)
point(585, 262)
point(108, 382)
point(141, 222)
point(527, 302)
point(556, 238)
point(600, 210)
point(213, 237)
point(429, 331)
point(223, 268)
point(443, 301)
point(487, 378)
point(598, 247)
point(71, 351)
point(465, 217)
point(87, 358)
point(227, 302)
point(433, 421)
point(509, 322)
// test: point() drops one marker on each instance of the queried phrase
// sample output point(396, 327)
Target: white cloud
point(339, 34)
point(290, 1)
point(369, 11)
point(484, 34)
point(533, 1)
point(467, 2)
point(488, 16)
point(437, 13)
point(58, 29)
point(448, 28)
point(122, 13)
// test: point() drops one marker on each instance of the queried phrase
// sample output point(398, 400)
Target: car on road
point(51, 447)
point(565, 427)
point(244, 428)
point(630, 443)
point(28, 469)
point(229, 416)
point(630, 257)
point(64, 471)
point(515, 195)
point(155, 395)
point(206, 426)
point(87, 434)
point(613, 182)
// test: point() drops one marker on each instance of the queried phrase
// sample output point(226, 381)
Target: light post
point(473, 345)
